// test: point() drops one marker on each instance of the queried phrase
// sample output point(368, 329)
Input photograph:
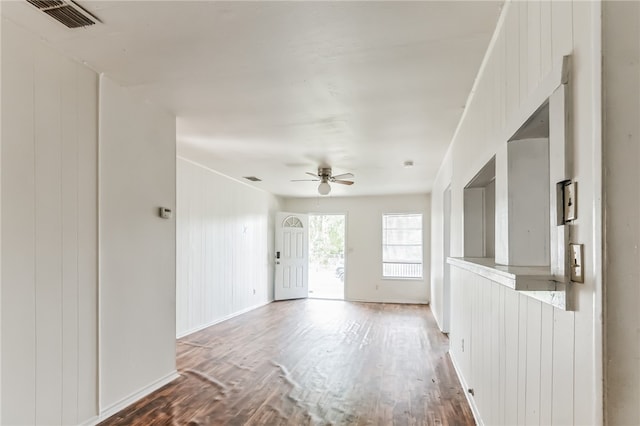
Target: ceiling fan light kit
point(324, 188)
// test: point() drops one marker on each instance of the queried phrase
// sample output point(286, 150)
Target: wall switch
point(576, 253)
point(165, 213)
point(570, 193)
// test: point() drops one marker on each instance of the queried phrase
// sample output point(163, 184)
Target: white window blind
point(402, 246)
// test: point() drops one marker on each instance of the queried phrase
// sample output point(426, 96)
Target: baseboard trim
point(435, 317)
point(90, 422)
point(125, 402)
point(225, 318)
point(465, 387)
point(399, 301)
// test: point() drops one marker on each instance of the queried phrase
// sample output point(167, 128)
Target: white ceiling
point(275, 89)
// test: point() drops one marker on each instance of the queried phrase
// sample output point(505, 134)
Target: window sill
point(534, 281)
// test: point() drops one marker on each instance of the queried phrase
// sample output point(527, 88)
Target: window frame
point(383, 245)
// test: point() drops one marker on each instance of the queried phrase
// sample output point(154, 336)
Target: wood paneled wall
point(513, 351)
point(528, 363)
point(225, 247)
point(137, 247)
point(621, 129)
point(49, 234)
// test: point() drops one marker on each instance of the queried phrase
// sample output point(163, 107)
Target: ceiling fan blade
point(343, 182)
point(315, 175)
point(344, 176)
point(305, 180)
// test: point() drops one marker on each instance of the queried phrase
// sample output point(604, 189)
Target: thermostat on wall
point(165, 213)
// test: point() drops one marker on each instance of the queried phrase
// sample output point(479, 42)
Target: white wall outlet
point(576, 253)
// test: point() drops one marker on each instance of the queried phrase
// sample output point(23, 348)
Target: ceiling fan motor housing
point(324, 173)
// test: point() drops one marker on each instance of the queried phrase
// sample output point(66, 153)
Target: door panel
point(292, 248)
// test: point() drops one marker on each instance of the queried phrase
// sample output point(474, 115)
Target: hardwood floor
point(311, 362)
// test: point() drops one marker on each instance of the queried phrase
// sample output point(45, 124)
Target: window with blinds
point(402, 246)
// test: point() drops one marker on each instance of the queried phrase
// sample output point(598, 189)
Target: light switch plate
point(576, 253)
point(165, 213)
point(570, 197)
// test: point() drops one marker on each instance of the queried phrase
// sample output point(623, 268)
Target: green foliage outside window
point(326, 239)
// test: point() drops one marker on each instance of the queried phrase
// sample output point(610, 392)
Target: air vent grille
point(45, 4)
point(66, 12)
point(253, 178)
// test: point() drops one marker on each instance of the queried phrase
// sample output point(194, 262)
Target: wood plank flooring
point(311, 362)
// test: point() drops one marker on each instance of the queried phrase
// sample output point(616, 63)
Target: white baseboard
point(438, 323)
point(90, 422)
point(465, 387)
point(219, 320)
point(125, 402)
point(399, 301)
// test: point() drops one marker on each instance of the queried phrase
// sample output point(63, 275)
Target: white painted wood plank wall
point(1, 226)
point(137, 248)
point(539, 361)
point(49, 224)
point(225, 247)
point(511, 359)
point(621, 129)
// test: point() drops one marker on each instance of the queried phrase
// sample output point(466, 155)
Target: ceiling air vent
point(66, 11)
point(253, 178)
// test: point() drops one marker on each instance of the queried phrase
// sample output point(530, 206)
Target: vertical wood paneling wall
point(225, 247)
point(1, 102)
point(621, 128)
point(49, 234)
point(513, 351)
point(137, 247)
point(527, 362)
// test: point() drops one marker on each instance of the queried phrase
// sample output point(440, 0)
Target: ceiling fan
point(324, 177)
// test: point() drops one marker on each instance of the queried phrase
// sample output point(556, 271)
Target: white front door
point(292, 256)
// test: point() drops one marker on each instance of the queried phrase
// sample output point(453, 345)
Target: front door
point(292, 256)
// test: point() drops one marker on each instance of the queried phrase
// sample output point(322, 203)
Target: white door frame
point(446, 252)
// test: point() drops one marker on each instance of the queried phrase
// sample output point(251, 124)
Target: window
point(402, 246)
point(292, 222)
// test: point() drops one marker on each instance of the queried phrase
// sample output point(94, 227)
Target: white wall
point(621, 87)
point(137, 247)
point(0, 219)
point(527, 192)
point(225, 247)
point(49, 234)
point(363, 259)
point(439, 294)
point(527, 362)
